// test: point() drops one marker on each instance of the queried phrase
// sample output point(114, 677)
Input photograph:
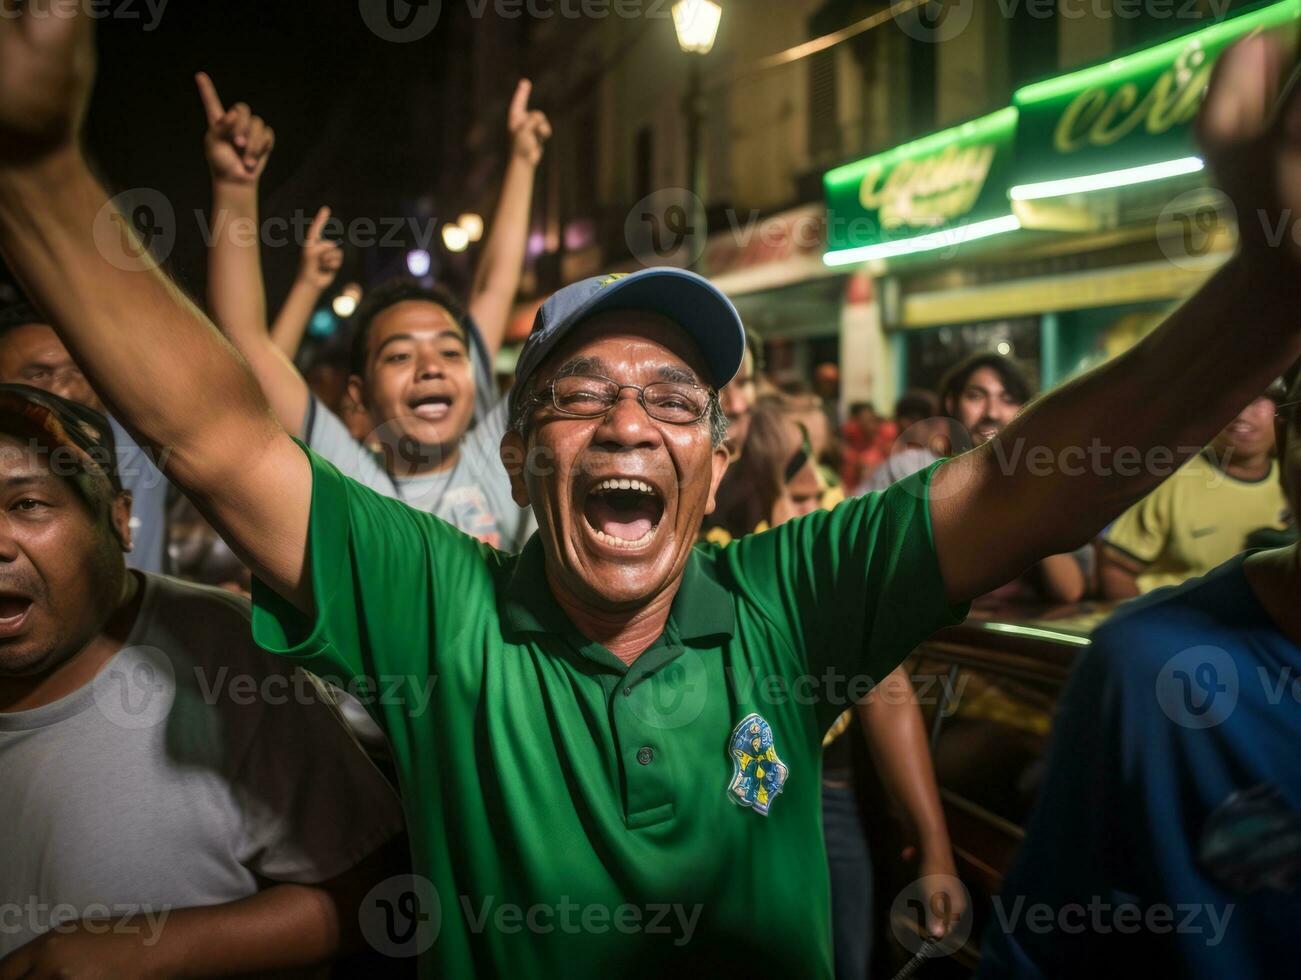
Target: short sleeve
point(1142, 532)
point(312, 805)
point(326, 435)
point(857, 587)
point(377, 567)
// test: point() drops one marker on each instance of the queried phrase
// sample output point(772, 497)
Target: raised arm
point(165, 370)
point(317, 267)
point(1074, 460)
point(238, 146)
point(496, 279)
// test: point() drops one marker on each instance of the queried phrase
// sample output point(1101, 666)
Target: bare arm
point(896, 735)
point(169, 375)
point(320, 263)
point(1076, 459)
point(1063, 579)
point(236, 292)
point(1117, 574)
point(285, 927)
point(497, 277)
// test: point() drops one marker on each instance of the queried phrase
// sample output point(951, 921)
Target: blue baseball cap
point(691, 301)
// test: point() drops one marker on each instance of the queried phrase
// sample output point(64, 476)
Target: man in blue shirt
point(1169, 828)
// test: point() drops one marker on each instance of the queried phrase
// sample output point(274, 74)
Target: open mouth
point(623, 513)
point(432, 408)
point(13, 613)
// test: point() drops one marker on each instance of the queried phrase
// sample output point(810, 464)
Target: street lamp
point(696, 23)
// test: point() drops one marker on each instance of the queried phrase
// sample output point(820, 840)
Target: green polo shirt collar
point(703, 609)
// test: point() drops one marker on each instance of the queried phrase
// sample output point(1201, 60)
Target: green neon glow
point(1039, 634)
point(1156, 58)
point(985, 129)
point(946, 238)
point(1106, 181)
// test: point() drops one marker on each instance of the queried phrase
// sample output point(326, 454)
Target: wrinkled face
point(61, 567)
point(737, 400)
point(1251, 434)
point(983, 406)
point(619, 499)
point(419, 383)
point(34, 355)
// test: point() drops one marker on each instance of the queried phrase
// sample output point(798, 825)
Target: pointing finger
point(211, 100)
point(519, 103)
point(318, 225)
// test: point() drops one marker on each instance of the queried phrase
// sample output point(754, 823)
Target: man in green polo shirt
point(608, 744)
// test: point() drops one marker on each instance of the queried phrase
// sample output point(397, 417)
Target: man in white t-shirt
point(187, 804)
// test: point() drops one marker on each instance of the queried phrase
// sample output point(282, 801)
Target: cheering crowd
point(590, 650)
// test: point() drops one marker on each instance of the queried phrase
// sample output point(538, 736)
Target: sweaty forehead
point(624, 344)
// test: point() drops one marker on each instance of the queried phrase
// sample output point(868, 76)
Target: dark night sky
point(358, 119)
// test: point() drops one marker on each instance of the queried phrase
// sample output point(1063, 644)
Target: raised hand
point(529, 129)
point(1250, 133)
point(47, 69)
point(321, 258)
point(238, 144)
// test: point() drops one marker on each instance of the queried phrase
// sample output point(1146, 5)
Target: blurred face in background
point(33, 354)
point(737, 400)
point(803, 495)
point(983, 406)
point(1250, 436)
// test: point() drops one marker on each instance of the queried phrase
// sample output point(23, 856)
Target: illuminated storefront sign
point(1127, 121)
point(938, 191)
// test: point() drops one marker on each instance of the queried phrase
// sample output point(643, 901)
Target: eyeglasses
point(588, 396)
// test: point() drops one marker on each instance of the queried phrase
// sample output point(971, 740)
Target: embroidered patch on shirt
point(758, 775)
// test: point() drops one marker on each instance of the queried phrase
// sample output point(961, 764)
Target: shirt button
point(627, 692)
point(645, 755)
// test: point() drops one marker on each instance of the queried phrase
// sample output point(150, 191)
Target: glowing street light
point(472, 224)
point(419, 262)
point(456, 238)
point(696, 22)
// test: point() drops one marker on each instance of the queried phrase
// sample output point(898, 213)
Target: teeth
point(637, 485)
point(620, 542)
